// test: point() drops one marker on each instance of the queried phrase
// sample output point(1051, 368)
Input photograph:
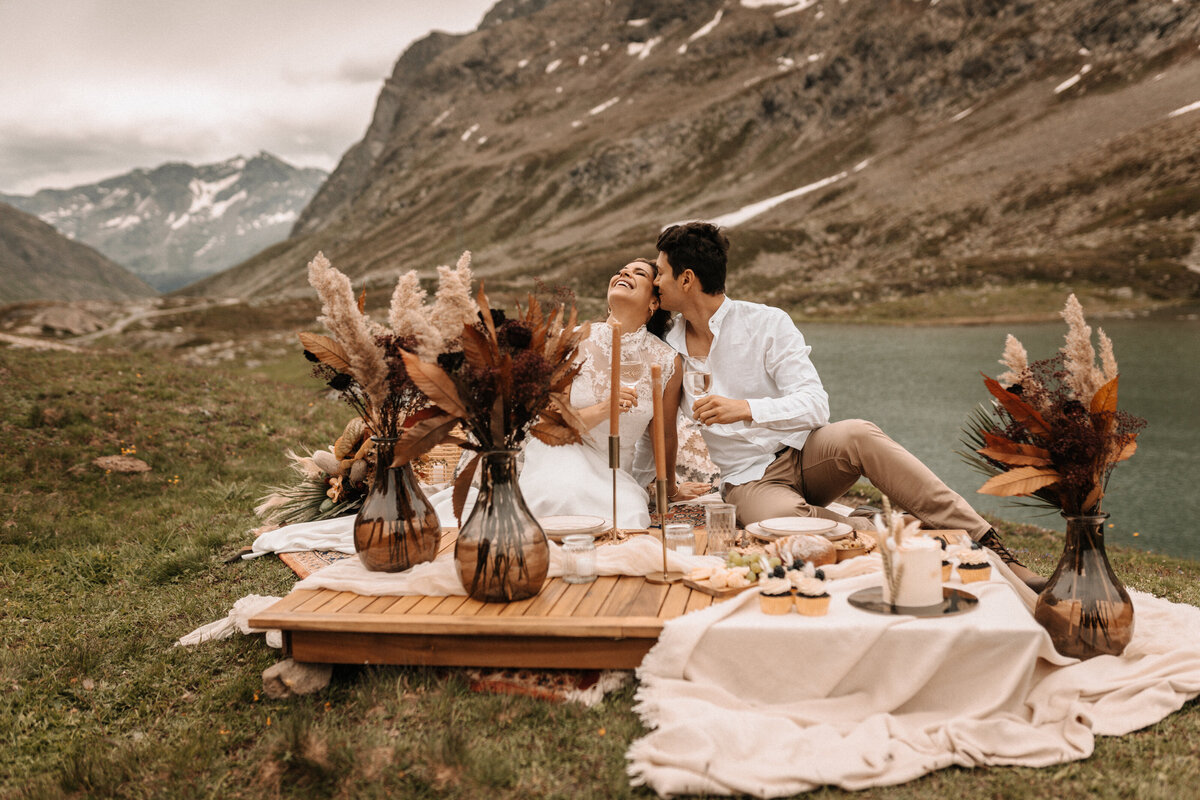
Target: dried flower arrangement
point(507, 379)
point(890, 533)
point(364, 361)
point(330, 483)
point(1053, 433)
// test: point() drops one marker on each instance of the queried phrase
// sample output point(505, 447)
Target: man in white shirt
point(765, 418)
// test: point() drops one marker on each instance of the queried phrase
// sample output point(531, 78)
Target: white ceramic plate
point(840, 531)
point(559, 526)
point(785, 526)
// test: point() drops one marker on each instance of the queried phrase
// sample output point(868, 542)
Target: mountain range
point(177, 223)
point(37, 262)
point(861, 154)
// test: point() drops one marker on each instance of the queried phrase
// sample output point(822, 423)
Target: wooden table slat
point(572, 597)
point(675, 603)
point(597, 593)
point(622, 594)
point(319, 599)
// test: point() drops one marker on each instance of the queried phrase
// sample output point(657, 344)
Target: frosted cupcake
point(811, 598)
point(775, 595)
point(973, 565)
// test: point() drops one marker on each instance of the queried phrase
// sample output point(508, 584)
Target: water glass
point(720, 522)
point(681, 538)
point(579, 558)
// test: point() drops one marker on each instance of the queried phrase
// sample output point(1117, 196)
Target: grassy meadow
point(101, 572)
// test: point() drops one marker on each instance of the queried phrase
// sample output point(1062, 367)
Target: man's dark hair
point(700, 247)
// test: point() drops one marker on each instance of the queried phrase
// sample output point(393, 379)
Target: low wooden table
point(610, 623)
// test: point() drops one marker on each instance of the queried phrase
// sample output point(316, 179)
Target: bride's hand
point(690, 490)
point(627, 398)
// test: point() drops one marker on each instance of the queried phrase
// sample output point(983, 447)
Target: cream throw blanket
point(742, 702)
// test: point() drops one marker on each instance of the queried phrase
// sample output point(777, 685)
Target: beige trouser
point(800, 482)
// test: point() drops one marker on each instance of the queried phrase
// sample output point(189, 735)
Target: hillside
point(39, 263)
point(894, 159)
point(177, 223)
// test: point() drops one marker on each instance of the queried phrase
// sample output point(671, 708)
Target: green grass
point(101, 572)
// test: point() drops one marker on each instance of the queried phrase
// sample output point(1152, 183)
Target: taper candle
point(660, 444)
point(614, 404)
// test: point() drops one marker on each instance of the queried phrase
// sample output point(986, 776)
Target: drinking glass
point(681, 538)
point(720, 522)
point(697, 380)
point(579, 558)
point(632, 369)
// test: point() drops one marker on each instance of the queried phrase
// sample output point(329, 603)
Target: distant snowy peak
point(179, 222)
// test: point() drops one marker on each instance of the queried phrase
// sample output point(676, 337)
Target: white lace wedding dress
point(576, 479)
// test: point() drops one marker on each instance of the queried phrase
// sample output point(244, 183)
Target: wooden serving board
point(709, 589)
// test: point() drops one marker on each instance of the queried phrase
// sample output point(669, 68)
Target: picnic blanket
point(773, 720)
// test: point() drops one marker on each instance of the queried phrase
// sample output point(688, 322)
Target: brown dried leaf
point(553, 434)
point(485, 311)
point(362, 301)
point(1018, 408)
point(1105, 399)
point(461, 485)
point(561, 404)
point(423, 437)
point(433, 381)
point(1129, 448)
point(476, 348)
point(1022, 457)
point(498, 426)
point(1020, 481)
point(327, 350)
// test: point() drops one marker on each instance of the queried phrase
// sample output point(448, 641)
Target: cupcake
point(811, 598)
point(775, 595)
point(973, 565)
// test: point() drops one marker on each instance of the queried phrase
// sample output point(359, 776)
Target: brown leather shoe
point(991, 540)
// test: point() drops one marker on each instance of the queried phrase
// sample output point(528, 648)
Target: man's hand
point(716, 410)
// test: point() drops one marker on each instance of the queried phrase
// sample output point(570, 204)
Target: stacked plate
point(565, 525)
point(777, 527)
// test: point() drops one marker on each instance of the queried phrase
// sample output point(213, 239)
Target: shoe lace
point(992, 542)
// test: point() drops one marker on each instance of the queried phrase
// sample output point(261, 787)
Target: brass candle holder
point(660, 487)
point(614, 462)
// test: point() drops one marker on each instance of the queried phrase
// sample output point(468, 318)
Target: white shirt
point(758, 355)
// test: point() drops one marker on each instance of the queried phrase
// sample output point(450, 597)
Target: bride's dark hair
point(660, 319)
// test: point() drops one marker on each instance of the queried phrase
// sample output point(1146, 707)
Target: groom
point(766, 417)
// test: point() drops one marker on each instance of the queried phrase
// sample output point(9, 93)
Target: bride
point(576, 479)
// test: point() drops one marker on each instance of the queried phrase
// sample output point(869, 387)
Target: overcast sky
point(94, 88)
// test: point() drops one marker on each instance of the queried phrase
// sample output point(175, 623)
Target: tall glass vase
point(1084, 608)
point(502, 553)
point(397, 526)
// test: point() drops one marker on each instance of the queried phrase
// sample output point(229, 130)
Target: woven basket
point(437, 466)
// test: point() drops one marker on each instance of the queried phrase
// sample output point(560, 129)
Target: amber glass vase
point(502, 553)
point(397, 526)
point(1084, 608)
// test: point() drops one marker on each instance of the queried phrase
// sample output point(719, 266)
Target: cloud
point(113, 85)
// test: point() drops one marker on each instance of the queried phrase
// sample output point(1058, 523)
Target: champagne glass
point(697, 380)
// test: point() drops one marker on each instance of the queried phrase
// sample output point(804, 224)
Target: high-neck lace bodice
point(593, 384)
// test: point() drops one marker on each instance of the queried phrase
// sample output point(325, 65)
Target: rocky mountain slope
point(891, 158)
point(38, 263)
point(179, 222)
